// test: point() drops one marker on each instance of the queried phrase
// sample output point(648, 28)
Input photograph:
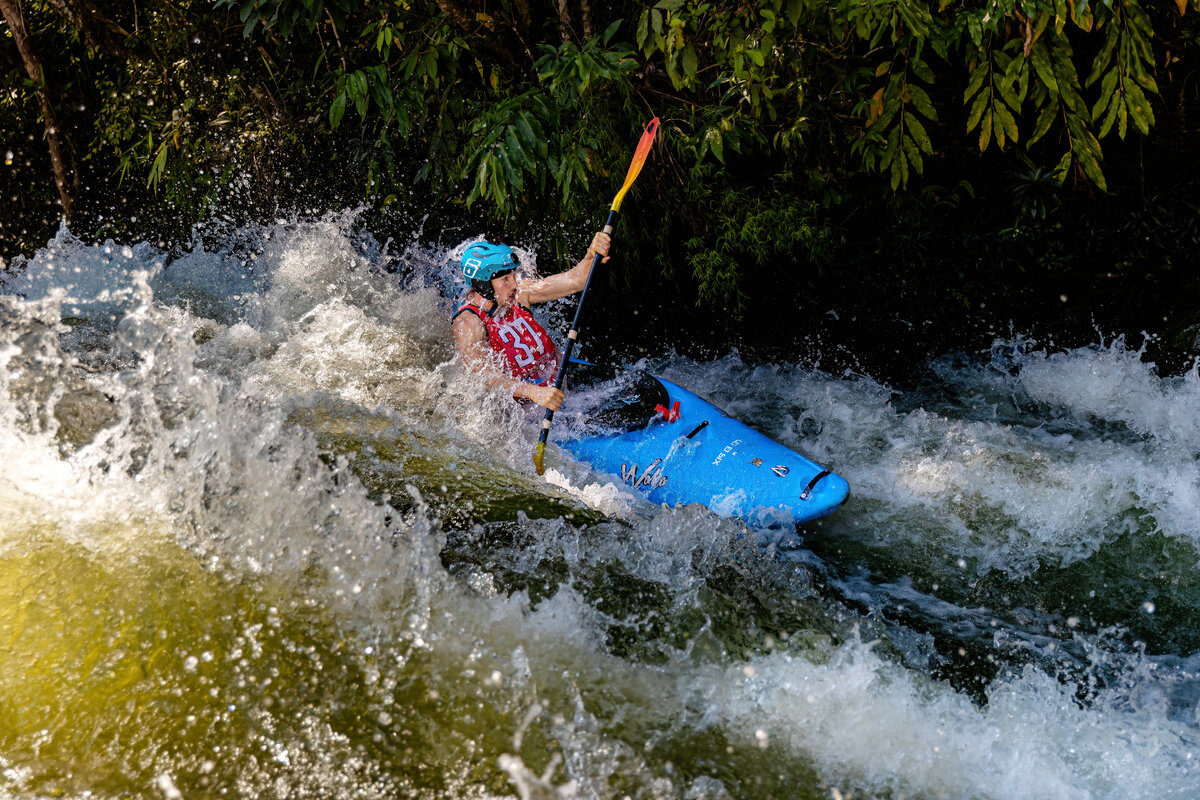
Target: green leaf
point(1059, 17)
point(890, 109)
point(611, 31)
point(336, 110)
point(978, 76)
point(715, 142)
point(1074, 101)
point(1068, 79)
point(998, 127)
point(921, 102)
point(1140, 22)
point(977, 108)
point(1110, 118)
point(975, 30)
point(540, 133)
point(643, 32)
point(913, 154)
point(515, 154)
point(1146, 80)
point(1008, 122)
point(1139, 109)
point(1063, 168)
point(1002, 87)
point(922, 70)
point(916, 129)
point(158, 167)
point(899, 173)
point(381, 93)
point(1082, 14)
point(1107, 87)
point(894, 88)
point(410, 66)
point(893, 147)
point(499, 190)
point(794, 9)
point(690, 62)
point(525, 128)
point(1045, 119)
point(1082, 139)
point(1086, 152)
point(585, 73)
point(577, 164)
point(1041, 66)
point(1023, 84)
point(916, 17)
point(512, 175)
point(1102, 59)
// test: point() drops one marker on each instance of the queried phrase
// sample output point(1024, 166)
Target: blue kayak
point(676, 447)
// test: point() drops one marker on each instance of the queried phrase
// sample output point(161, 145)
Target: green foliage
point(541, 138)
point(513, 148)
point(896, 138)
point(760, 231)
point(1124, 69)
point(283, 17)
point(505, 110)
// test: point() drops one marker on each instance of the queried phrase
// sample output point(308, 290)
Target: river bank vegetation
point(928, 158)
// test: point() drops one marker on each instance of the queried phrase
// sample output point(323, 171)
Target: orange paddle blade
point(639, 158)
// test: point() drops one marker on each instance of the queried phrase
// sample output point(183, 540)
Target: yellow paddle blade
point(639, 158)
point(539, 458)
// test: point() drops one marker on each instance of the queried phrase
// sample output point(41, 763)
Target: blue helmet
point(482, 261)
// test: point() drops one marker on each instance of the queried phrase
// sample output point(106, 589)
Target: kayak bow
point(690, 451)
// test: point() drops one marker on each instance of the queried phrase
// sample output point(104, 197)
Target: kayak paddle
point(635, 166)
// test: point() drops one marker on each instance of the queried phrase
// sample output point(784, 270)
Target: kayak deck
point(677, 448)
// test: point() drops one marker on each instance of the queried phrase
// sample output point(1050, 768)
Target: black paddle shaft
point(573, 334)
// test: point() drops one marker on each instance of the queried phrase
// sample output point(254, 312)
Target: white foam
point(200, 444)
point(607, 498)
point(1007, 497)
point(872, 727)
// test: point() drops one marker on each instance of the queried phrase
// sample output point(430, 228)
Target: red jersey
point(527, 349)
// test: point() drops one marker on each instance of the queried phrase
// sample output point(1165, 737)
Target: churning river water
point(262, 537)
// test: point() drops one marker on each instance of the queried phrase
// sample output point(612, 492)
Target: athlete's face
point(505, 288)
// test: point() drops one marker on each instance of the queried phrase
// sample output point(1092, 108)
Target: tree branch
point(524, 15)
point(33, 68)
point(462, 19)
point(585, 11)
point(98, 30)
point(564, 20)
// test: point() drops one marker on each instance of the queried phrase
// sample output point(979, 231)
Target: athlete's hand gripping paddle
point(635, 166)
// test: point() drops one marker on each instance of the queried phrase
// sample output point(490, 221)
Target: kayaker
point(497, 335)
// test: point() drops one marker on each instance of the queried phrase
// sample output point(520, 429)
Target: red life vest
point(527, 349)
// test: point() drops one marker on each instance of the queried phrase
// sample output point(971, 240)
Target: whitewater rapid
point(261, 535)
